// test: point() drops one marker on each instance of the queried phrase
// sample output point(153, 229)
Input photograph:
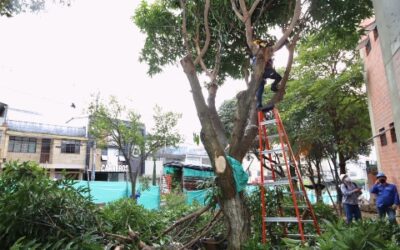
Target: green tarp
point(104, 192)
point(189, 172)
point(240, 176)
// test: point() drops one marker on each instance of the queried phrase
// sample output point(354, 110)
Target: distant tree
point(108, 127)
point(163, 134)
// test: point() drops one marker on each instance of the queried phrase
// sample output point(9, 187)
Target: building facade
point(57, 148)
point(382, 75)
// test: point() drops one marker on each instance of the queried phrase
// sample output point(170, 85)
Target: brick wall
point(378, 93)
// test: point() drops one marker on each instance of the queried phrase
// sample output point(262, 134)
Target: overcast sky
point(63, 55)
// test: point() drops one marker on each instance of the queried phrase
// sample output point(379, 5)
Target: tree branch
point(184, 29)
point(218, 126)
point(195, 214)
point(208, 35)
point(204, 230)
point(235, 9)
point(253, 7)
point(281, 92)
point(295, 18)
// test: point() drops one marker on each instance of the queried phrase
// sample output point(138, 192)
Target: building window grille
point(22, 144)
point(382, 136)
point(393, 132)
point(70, 147)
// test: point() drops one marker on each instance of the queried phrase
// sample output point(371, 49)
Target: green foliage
point(125, 213)
point(40, 213)
point(323, 96)
point(108, 127)
point(326, 212)
point(162, 20)
point(366, 234)
point(164, 133)
point(363, 235)
point(226, 113)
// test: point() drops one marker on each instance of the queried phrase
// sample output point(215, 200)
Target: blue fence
point(104, 192)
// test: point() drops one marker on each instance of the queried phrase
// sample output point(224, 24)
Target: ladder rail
point(294, 198)
point(272, 166)
point(262, 188)
point(280, 125)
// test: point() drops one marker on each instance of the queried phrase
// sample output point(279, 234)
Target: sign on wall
point(114, 168)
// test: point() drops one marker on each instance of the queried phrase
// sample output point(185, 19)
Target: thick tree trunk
point(238, 221)
point(232, 203)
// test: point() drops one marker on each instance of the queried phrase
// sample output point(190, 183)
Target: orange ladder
point(293, 178)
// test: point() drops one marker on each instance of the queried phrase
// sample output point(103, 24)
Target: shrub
point(44, 213)
point(125, 213)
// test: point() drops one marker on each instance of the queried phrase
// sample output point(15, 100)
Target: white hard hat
point(342, 176)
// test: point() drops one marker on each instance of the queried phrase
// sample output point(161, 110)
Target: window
point(382, 136)
point(22, 144)
point(70, 147)
point(375, 31)
point(393, 132)
point(368, 47)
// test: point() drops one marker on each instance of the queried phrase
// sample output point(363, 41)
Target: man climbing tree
point(269, 73)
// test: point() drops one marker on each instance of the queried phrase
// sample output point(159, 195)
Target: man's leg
point(347, 211)
point(272, 74)
point(357, 212)
point(259, 94)
point(391, 215)
point(381, 212)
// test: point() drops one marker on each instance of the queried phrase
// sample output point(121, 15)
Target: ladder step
point(299, 235)
point(292, 207)
point(279, 182)
point(268, 122)
point(276, 150)
point(285, 219)
point(282, 164)
point(270, 137)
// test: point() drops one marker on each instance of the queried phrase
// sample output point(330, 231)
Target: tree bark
point(232, 204)
point(342, 163)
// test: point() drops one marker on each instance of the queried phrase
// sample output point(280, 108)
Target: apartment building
point(56, 148)
point(381, 55)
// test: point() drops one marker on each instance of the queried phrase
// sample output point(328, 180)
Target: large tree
point(215, 38)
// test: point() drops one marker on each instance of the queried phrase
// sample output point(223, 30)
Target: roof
point(32, 127)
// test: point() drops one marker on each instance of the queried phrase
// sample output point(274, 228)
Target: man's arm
point(396, 197)
point(344, 190)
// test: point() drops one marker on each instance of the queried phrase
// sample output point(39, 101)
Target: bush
point(44, 213)
point(125, 213)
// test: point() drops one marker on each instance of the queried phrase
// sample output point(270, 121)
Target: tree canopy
point(325, 108)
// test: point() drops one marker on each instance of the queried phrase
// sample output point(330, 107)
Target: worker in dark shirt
point(387, 198)
point(269, 73)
